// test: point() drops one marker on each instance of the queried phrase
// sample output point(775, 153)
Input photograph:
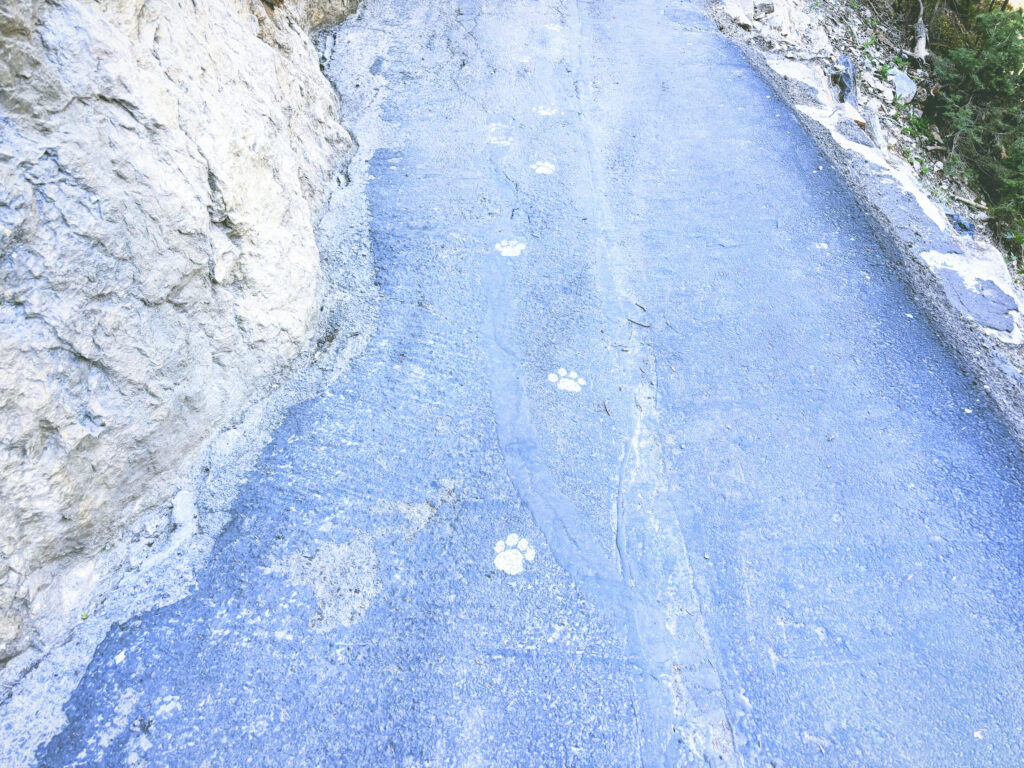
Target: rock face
point(162, 164)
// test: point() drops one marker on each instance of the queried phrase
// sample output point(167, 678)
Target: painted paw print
point(569, 381)
point(496, 134)
point(510, 248)
point(511, 552)
point(543, 167)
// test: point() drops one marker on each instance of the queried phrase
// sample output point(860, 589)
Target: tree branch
point(921, 46)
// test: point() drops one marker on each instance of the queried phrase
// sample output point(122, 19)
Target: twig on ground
point(972, 203)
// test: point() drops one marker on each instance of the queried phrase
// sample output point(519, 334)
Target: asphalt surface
point(768, 521)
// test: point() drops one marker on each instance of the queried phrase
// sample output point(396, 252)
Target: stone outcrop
point(162, 165)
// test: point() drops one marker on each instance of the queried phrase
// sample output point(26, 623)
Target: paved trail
point(652, 460)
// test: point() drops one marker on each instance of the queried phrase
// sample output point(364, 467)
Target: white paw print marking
point(496, 135)
point(510, 553)
point(545, 111)
point(553, 27)
point(510, 248)
point(567, 380)
point(543, 167)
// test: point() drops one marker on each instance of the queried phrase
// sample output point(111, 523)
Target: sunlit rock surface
point(162, 165)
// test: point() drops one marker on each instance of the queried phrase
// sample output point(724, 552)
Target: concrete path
point(651, 462)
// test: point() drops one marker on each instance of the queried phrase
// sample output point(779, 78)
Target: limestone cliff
point(162, 164)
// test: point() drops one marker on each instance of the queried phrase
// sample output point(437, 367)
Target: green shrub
point(979, 107)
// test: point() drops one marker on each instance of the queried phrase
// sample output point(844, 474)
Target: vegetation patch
point(977, 102)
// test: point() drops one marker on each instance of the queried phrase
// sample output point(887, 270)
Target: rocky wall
point(162, 165)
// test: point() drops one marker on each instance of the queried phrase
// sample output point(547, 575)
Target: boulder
point(904, 86)
point(818, 42)
point(850, 112)
point(786, 18)
point(741, 11)
point(844, 77)
point(873, 126)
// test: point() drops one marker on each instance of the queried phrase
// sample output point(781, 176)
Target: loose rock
point(905, 88)
point(844, 77)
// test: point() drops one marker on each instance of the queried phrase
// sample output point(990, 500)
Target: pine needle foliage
point(978, 105)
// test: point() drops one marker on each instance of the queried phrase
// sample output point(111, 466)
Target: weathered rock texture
point(162, 163)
